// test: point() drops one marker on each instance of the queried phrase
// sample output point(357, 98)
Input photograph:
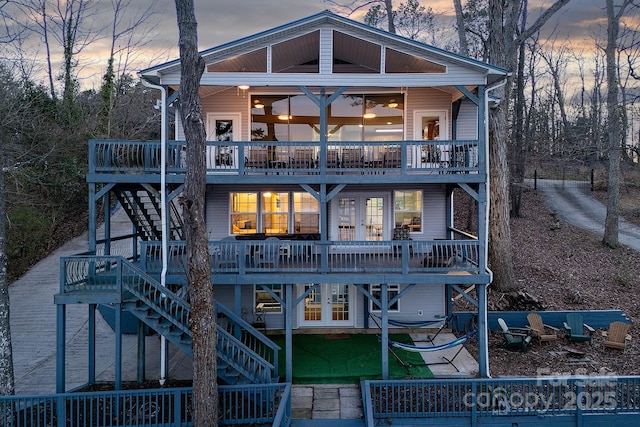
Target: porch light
point(368, 115)
point(392, 103)
point(284, 117)
point(242, 88)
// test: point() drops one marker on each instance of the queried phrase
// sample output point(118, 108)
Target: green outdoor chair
point(578, 330)
point(514, 338)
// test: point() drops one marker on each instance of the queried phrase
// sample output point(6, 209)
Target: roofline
point(328, 15)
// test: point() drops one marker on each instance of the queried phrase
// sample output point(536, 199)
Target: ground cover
point(568, 268)
point(347, 358)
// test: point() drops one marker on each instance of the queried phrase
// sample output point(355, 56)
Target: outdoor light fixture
point(258, 104)
point(392, 104)
point(284, 117)
point(369, 115)
point(242, 88)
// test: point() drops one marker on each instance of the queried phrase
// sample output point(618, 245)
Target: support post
point(288, 341)
point(141, 352)
point(61, 325)
point(483, 341)
point(118, 362)
point(92, 344)
point(384, 300)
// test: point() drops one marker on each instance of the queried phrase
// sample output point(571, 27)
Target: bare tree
point(614, 14)
point(378, 10)
point(504, 38)
point(129, 32)
point(202, 320)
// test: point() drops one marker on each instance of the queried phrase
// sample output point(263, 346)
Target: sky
point(221, 21)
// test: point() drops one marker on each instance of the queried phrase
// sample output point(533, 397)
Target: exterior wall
point(229, 101)
point(467, 125)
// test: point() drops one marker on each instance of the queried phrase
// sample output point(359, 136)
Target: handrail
point(241, 157)
point(388, 256)
point(238, 404)
point(249, 336)
point(503, 397)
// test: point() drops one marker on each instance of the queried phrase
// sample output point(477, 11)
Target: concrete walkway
point(33, 331)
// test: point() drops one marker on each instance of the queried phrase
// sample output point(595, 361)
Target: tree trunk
point(462, 35)
point(610, 237)
point(6, 358)
point(202, 321)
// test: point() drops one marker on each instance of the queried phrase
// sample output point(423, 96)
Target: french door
point(326, 305)
point(360, 217)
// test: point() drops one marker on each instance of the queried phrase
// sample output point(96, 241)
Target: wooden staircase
point(142, 204)
point(245, 356)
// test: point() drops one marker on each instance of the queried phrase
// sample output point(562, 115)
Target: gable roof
point(356, 49)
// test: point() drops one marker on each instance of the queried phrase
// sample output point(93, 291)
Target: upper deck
point(434, 161)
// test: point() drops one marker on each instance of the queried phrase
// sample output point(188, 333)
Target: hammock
point(419, 349)
point(413, 325)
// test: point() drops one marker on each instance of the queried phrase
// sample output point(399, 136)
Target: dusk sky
point(221, 21)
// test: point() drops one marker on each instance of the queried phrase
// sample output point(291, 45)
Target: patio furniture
point(514, 338)
point(401, 233)
point(258, 158)
point(578, 330)
point(617, 336)
point(333, 158)
point(226, 255)
point(393, 157)
point(539, 329)
point(303, 158)
point(352, 158)
point(268, 255)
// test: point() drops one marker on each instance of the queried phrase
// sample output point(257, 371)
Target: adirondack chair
point(578, 330)
point(539, 329)
point(226, 255)
point(514, 338)
point(617, 336)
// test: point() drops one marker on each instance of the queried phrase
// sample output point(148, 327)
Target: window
point(306, 213)
point(265, 302)
point(408, 210)
point(275, 213)
point(392, 292)
point(244, 213)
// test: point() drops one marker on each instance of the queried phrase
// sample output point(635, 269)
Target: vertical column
point(93, 221)
point(384, 301)
point(141, 352)
point(92, 343)
point(288, 341)
point(61, 325)
point(483, 349)
point(118, 361)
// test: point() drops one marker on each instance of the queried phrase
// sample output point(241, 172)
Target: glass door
point(326, 305)
point(223, 128)
point(361, 217)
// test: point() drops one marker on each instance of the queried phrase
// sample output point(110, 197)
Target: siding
point(467, 125)
point(426, 99)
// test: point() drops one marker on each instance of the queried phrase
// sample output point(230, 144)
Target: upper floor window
point(244, 213)
point(408, 209)
point(276, 213)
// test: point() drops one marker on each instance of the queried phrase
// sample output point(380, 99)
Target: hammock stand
point(426, 349)
point(421, 349)
point(413, 325)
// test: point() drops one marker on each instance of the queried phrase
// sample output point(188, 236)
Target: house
point(333, 152)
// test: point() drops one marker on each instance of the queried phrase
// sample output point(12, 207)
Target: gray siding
point(467, 125)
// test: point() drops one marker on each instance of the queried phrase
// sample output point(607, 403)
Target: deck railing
point(509, 397)
point(291, 256)
point(247, 404)
point(242, 158)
